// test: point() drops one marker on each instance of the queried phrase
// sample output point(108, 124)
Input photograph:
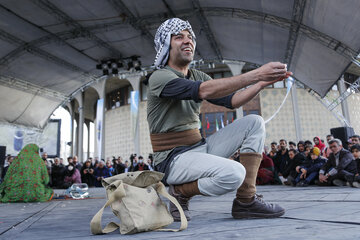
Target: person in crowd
point(349, 143)
point(141, 166)
point(9, 159)
point(76, 163)
point(266, 171)
point(48, 164)
point(308, 172)
point(134, 161)
point(292, 145)
point(340, 164)
point(94, 162)
point(57, 174)
point(110, 168)
point(100, 173)
point(290, 173)
point(307, 151)
point(319, 144)
point(308, 143)
point(353, 180)
point(127, 166)
point(301, 148)
point(273, 150)
point(72, 175)
point(281, 159)
point(70, 160)
point(150, 163)
point(327, 150)
point(87, 174)
point(61, 162)
point(120, 166)
point(27, 178)
point(355, 139)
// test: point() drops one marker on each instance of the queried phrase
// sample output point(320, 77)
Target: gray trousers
point(210, 163)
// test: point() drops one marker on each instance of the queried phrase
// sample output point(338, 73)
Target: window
point(118, 97)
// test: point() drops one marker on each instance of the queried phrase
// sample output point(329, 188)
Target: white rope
point(289, 83)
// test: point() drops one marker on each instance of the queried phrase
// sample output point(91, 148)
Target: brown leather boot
point(183, 193)
point(247, 204)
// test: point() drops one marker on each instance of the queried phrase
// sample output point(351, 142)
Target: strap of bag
point(160, 188)
point(95, 224)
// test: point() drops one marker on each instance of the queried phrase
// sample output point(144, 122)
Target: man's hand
point(323, 178)
point(297, 169)
point(303, 174)
point(271, 71)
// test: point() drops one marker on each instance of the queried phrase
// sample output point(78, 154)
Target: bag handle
point(160, 188)
point(95, 224)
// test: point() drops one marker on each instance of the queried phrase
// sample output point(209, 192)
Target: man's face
point(283, 145)
point(57, 161)
point(44, 156)
point(356, 153)
point(355, 140)
point(329, 138)
point(301, 147)
point(291, 155)
point(335, 148)
point(273, 147)
point(182, 49)
point(292, 146)
point(75, 159)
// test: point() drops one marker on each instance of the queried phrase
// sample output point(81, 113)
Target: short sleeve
point(159, 79)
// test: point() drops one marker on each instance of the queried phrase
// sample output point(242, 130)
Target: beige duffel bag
point(134, 199)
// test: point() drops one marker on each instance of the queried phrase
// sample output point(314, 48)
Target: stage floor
point(311, 213)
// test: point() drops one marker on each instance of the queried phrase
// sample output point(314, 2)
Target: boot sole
point(249, 215)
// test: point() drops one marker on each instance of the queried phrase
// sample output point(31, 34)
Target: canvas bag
point(134, 199)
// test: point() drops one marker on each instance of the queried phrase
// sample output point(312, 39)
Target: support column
point(76, 146)
point(135, 83)
point(88, 138)
point(80, 151)
point(72, 116)
point(235, 68)
point(344, 104)
point(296, 114)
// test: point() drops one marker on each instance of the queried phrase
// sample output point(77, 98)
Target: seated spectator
point(308, 143)
point(307, 151)
point(110, 168)
point(355, 139)
point(281, 159)
point(87, 174)
point(319, 144)
point(57, 174)
point(301, 148)
point(266, 171)
point(341, 163)
point(141, 166)
point(76, 163)
point(100, 173)
point(327, 150)
point(290, 173)
point(308, 172)
point(72, 175)
point(292, 145)
point(354, 180)
point(273, 150)
point(27, 178)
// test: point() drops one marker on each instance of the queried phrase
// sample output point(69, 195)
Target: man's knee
point(257, 121)
point(234, 178)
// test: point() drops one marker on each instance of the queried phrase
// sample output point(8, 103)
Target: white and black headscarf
point(170, 27)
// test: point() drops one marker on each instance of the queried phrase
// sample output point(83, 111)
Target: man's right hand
point(272, 71)
point(322, 178)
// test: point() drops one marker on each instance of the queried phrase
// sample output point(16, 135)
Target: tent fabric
point(55, 45)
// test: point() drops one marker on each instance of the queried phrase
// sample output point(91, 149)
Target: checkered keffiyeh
point(162, 39)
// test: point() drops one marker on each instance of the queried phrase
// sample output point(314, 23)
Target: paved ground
point(312, 213)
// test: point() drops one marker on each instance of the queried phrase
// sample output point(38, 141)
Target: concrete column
point(87, 122)
point(344, 104)
point(235, 68)
point(135, 83)
point(76, 145)
point(80, 152)
point(101, 90)
point(296, 112)
point(72, 115)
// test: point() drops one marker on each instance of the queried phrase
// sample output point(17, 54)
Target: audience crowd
point(91, 172)
point(295, 164)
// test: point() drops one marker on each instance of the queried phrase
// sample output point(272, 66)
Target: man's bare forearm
point(244, 96)
point(217, 88)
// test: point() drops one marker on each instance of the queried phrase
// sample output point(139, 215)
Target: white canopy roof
point(49, 48)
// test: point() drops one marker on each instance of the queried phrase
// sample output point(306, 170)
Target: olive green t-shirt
point(171, 115)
